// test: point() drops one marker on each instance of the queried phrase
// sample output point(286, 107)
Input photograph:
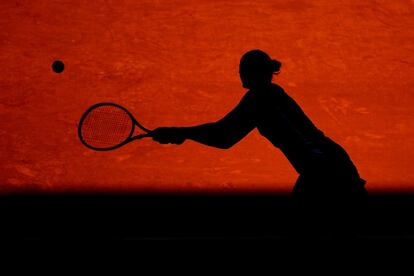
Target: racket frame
point(130, 138)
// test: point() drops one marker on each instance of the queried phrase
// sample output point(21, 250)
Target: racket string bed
point(106, 126)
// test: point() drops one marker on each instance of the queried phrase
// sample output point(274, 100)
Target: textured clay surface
point(349, 64)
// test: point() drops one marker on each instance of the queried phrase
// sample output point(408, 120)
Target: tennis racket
point(108, 126)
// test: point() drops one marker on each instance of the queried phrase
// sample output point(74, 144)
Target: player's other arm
point(221, 134)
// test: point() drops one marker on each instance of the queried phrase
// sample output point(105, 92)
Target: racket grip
point(149, 134)
point(142, 136)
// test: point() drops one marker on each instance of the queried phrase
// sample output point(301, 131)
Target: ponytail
point(275, 66)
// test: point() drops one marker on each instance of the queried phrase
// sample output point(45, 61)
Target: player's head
point(257, 69)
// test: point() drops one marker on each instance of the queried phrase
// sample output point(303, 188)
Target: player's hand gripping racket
point(108, 126)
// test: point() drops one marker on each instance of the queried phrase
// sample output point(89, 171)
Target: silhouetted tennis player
point(324, 167)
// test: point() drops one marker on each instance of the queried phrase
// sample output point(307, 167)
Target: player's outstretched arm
point(221, 134)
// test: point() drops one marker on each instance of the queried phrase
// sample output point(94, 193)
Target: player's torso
point(285, 125)
point(281, 120)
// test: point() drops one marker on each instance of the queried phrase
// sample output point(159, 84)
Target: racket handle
point(149, 134)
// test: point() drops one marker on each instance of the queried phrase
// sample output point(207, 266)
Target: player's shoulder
point(280, 93)
point(273, 92)
point(276, 88)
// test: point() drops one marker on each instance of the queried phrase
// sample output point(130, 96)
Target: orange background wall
point(349, 64)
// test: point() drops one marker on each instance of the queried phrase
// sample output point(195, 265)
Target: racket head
point(106, 126)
